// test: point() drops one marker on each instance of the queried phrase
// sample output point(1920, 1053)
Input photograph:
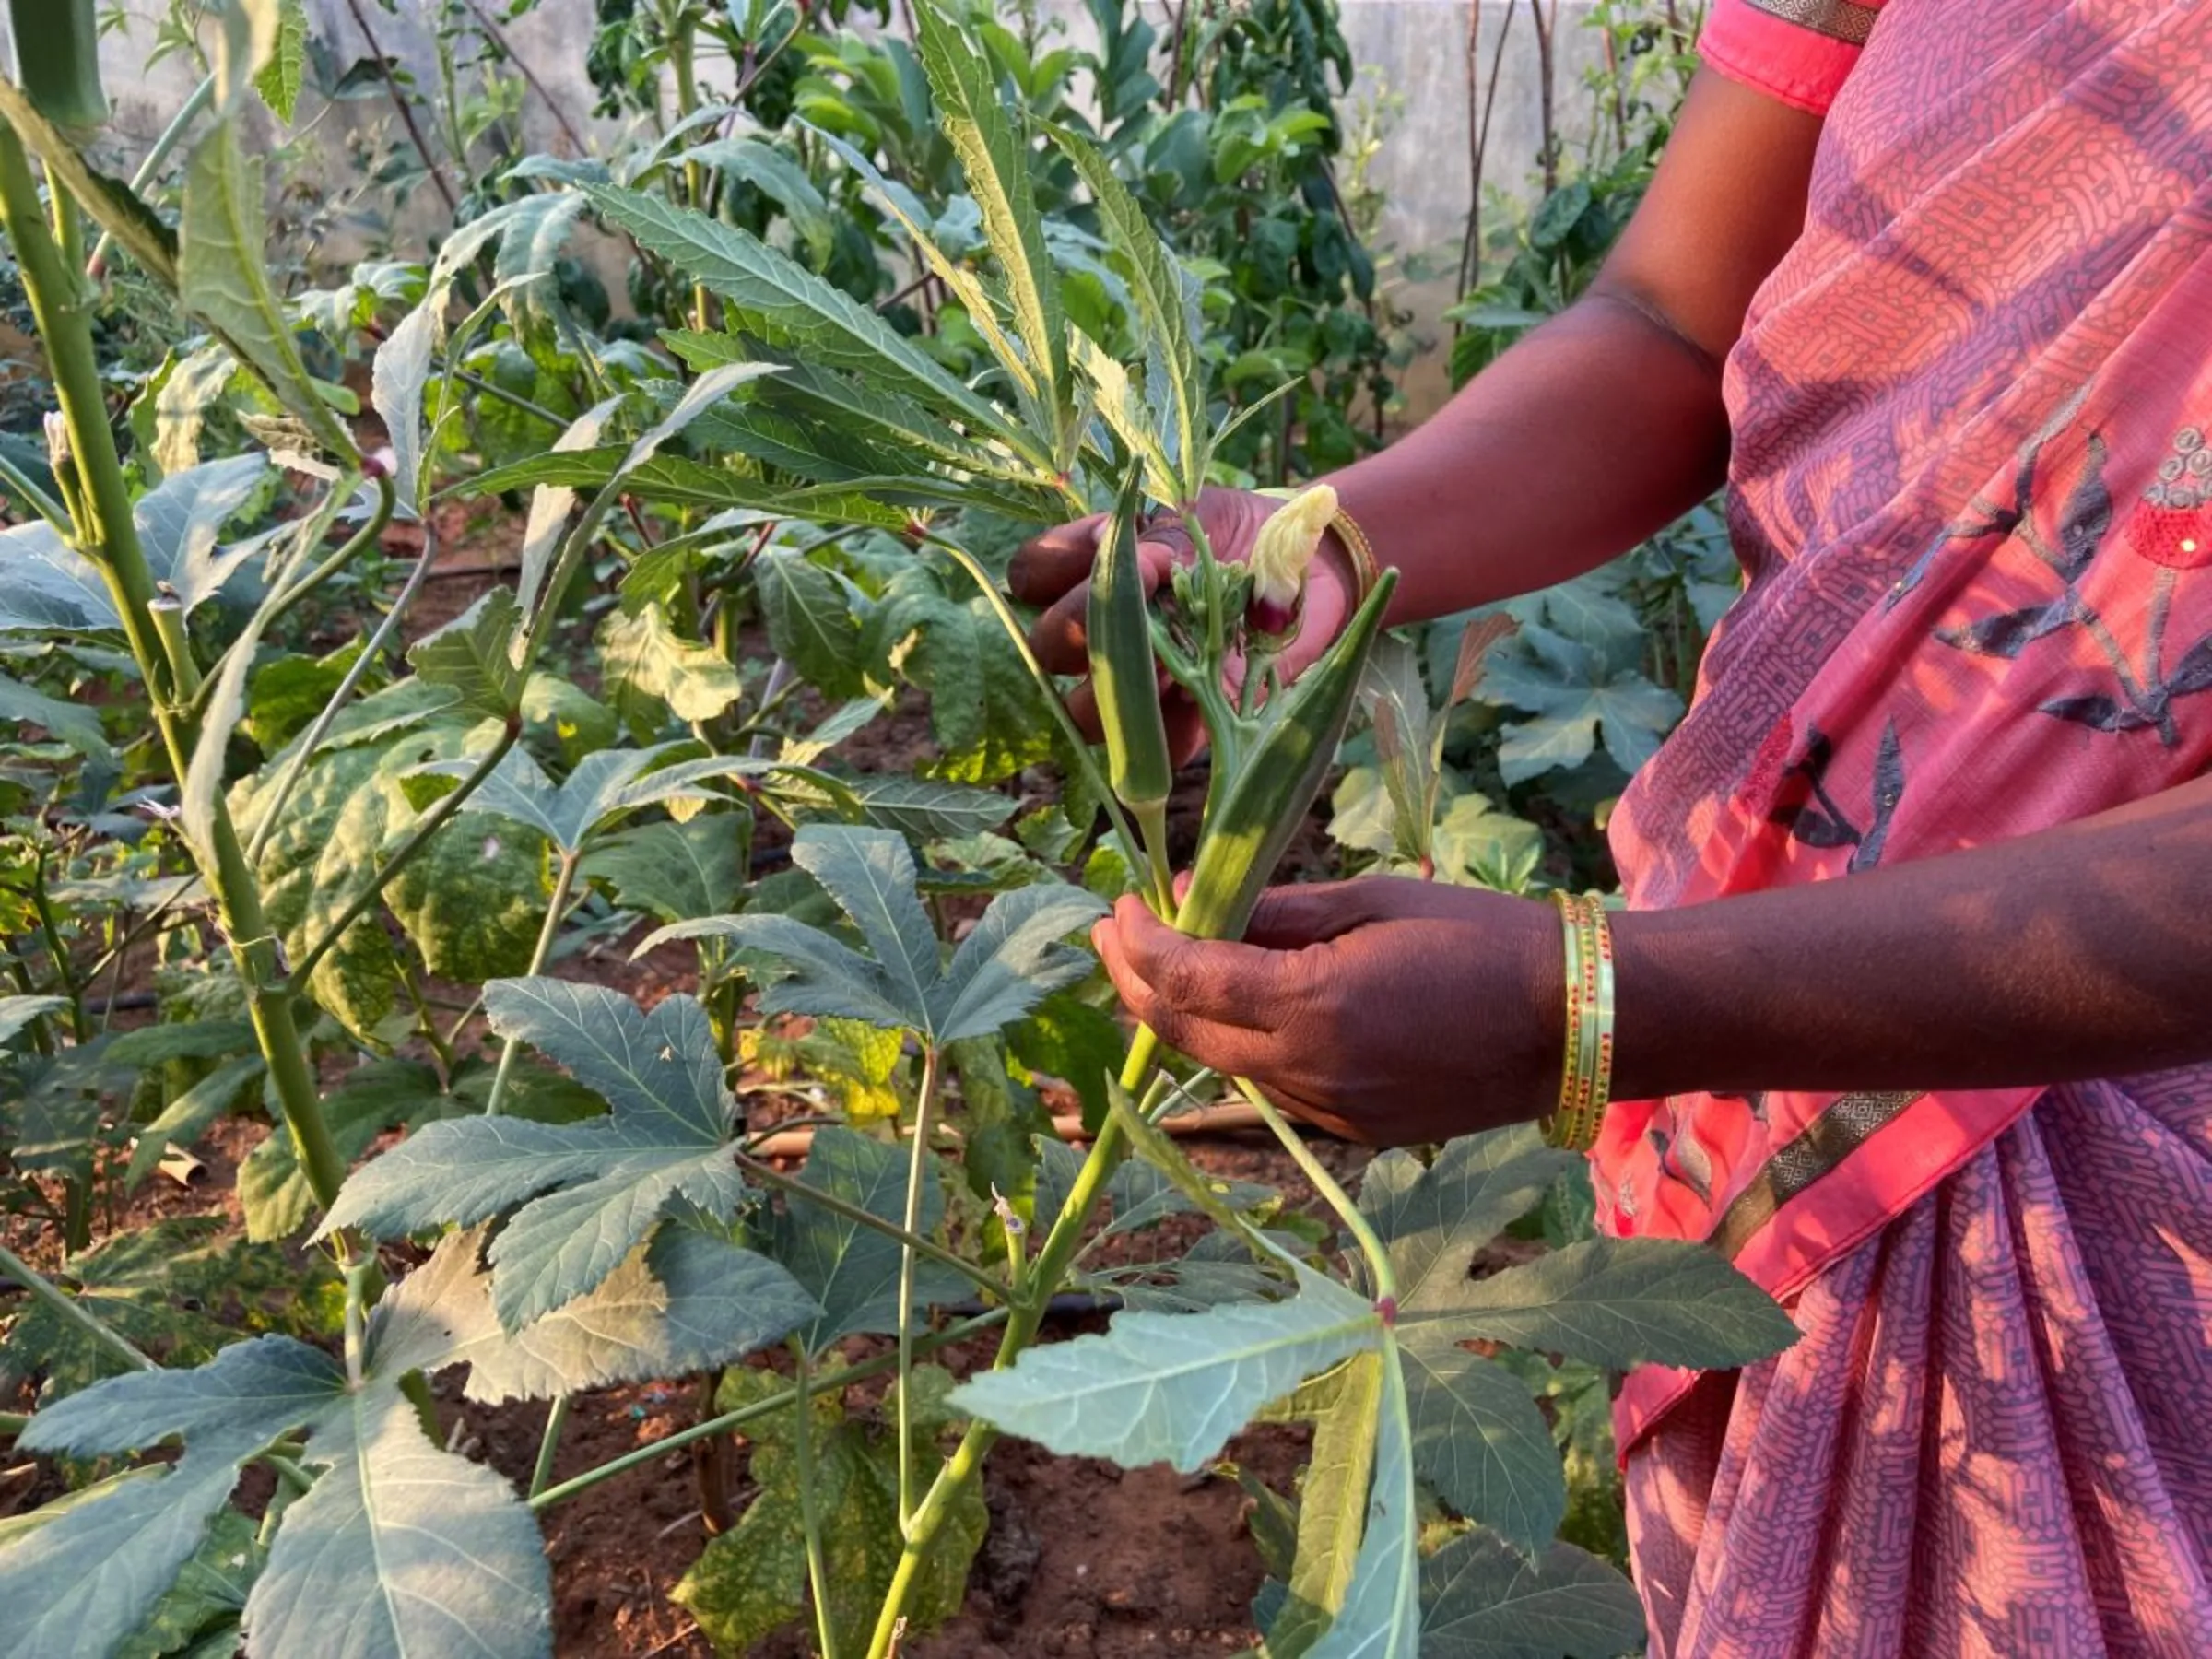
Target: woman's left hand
point(1384, 1009)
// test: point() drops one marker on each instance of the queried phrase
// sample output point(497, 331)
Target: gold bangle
point(1586, 1066)
point(1366, 572)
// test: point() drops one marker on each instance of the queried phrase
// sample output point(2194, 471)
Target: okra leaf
point(603, 786)
point(473, 657)
point(182, 519)
point(850, 1270)
point(810, 621)
point(279, 80)
point(553, 505)
point(1484, 1599)
point(18, 1012)
point(82, 1582)
point(776, 176)
point(397, 376)
point(51, 588)
point(222, 281)
point(677, 872)
point(199, 1614)
point(1157, 283)
point(1172, 1387)
point(1011, 960)
point(686, 1301)
point(405, 1548)
point(1381, 1618)
point(1478, 1439)
point(790, 306)
point(1331, 1509)
point(74, 724)
point(113, 205)
point(994, 158)
point(187, 1117)
point(926, 809)
point(591, 1192)
point(1619, 1303)
point(1434, 1218)
point(646, 661)
point(821, 976)
point(870, 874)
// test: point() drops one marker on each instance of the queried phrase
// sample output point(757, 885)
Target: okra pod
point(57, 59)
point(1248, 827)
point(1123, 673)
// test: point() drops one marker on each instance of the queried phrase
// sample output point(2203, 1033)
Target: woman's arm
point(1593, 432)
point(1399, 1011)
point(1605, 424)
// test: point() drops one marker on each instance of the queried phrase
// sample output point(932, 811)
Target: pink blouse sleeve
point(1797, 51)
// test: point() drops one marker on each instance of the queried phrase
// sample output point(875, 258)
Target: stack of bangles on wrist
point(1586, 1075)
point(1366, 573)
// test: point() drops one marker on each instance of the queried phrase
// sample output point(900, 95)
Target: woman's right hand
point(1053, 570)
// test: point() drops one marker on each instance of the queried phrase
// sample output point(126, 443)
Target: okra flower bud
point(1287, 544)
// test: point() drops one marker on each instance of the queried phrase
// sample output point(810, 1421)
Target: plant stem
point(172, 136)
point(682, 46)
point(731, 1420)
point(556, 1420)
point(60, 305)
point(514, 400)
point(1152, 820)
point(1330, 1191)
point(13, 1423)
point(769, 1176)
point(810, 1521)
point(43, 1290)
point(564, 884)
point(1053, 1262)
point(432, 821)
point(917, 1165)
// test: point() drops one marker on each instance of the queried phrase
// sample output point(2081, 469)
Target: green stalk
point(1053, 1263)
point(1331, 1192)
point(43, 1290)
point(916, 1167)
point(730, 1421)
point(13, 1423)
point(810, 1520)
point(60, 306)
point(172, 136)
point(564, 884)
point(682, 46)
point(555, 1420)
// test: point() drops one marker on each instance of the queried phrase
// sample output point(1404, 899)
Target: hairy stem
point(1053, 1262)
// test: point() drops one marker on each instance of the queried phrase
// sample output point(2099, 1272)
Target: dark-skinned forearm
point(2075, 953)
point(1595, 431)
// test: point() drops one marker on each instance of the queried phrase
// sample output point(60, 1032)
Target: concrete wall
point(1412, 57)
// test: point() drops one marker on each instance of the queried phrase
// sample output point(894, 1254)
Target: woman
point(1915, 990)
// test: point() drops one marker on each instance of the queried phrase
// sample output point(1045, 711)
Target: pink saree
point(1972, 492)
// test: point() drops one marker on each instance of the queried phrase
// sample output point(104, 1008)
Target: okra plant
point(586, 1203)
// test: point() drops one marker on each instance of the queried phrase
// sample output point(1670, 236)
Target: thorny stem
point(564, 885)
point(43, 1290)
point(917, 1165)
point(730, 1421)
point(59, 305)
point(1330, 1191)
point(548, 1446)
point(810, 1521)
point(432, 821)
point(791, 1186)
